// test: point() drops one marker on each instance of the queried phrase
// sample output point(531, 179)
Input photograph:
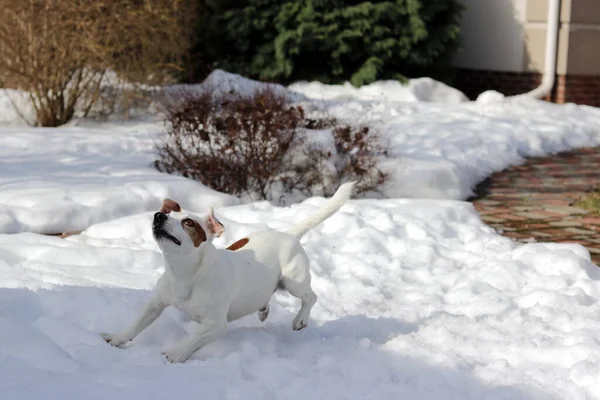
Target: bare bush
point(230, 143)
point(59, 51)
point(263, 143)
point(353, 156)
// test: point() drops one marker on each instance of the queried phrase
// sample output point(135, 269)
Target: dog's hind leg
point(296, 280)
point(263, 312)
point(308, 298)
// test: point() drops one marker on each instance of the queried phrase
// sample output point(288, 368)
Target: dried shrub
point(230, 143)
point(59, 51)
point(352, 155)
point(263, 144)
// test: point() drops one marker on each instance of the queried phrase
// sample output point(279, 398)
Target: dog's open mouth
point(160, 233)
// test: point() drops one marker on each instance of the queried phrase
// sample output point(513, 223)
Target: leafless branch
point(59, 50)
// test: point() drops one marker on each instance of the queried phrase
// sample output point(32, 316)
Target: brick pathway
point(534, 201)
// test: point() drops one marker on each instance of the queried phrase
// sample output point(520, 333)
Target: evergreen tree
point(331, 40)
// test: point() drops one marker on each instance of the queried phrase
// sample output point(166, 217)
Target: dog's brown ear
point(197, 234)
point(169, 205)
point(214, 226)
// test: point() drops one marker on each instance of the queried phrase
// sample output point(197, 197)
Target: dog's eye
point(188, 222)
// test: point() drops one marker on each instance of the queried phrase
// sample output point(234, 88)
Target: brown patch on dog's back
point(169, 205)
point(239, 244)
point(195, 231)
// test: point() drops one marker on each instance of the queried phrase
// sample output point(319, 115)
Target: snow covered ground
point(66, 179)
point(418, 299)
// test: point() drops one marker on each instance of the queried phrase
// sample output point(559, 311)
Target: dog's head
point(177, 231)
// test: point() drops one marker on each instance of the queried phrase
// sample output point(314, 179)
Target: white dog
point(214, 286)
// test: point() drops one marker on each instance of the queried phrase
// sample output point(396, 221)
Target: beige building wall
point(579, 37)
point(505, 46)
point(510, 35)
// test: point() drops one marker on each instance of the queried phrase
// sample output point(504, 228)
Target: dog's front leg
point(208, 330)
point(152, 311)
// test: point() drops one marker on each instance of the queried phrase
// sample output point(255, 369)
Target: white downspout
point(552, 27)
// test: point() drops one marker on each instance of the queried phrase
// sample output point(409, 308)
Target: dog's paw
point(299, 323)
point(114, 340)
point(263, 313)
point(176, 355)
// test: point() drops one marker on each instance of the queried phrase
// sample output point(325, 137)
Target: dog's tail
point(333, 204)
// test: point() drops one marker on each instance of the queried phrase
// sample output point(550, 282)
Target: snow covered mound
point(417, 300)
point(56, 180)
point(222, 82)
point(421, 89)
point(490, 97)
point(67, 178)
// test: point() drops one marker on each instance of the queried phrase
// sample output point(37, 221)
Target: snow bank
point(417, 90)
point(445, 151)
point(222, 83)
point(442, 150)
point(417, 299)
point(66, 179)
point(441, 145)
point(54, 180)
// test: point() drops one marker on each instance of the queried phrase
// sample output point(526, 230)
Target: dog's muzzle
point(159, 219)
point(158, 228)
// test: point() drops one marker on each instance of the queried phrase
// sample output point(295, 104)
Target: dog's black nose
point(159, 217)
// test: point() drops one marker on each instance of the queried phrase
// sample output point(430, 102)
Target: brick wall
point(578, 89)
